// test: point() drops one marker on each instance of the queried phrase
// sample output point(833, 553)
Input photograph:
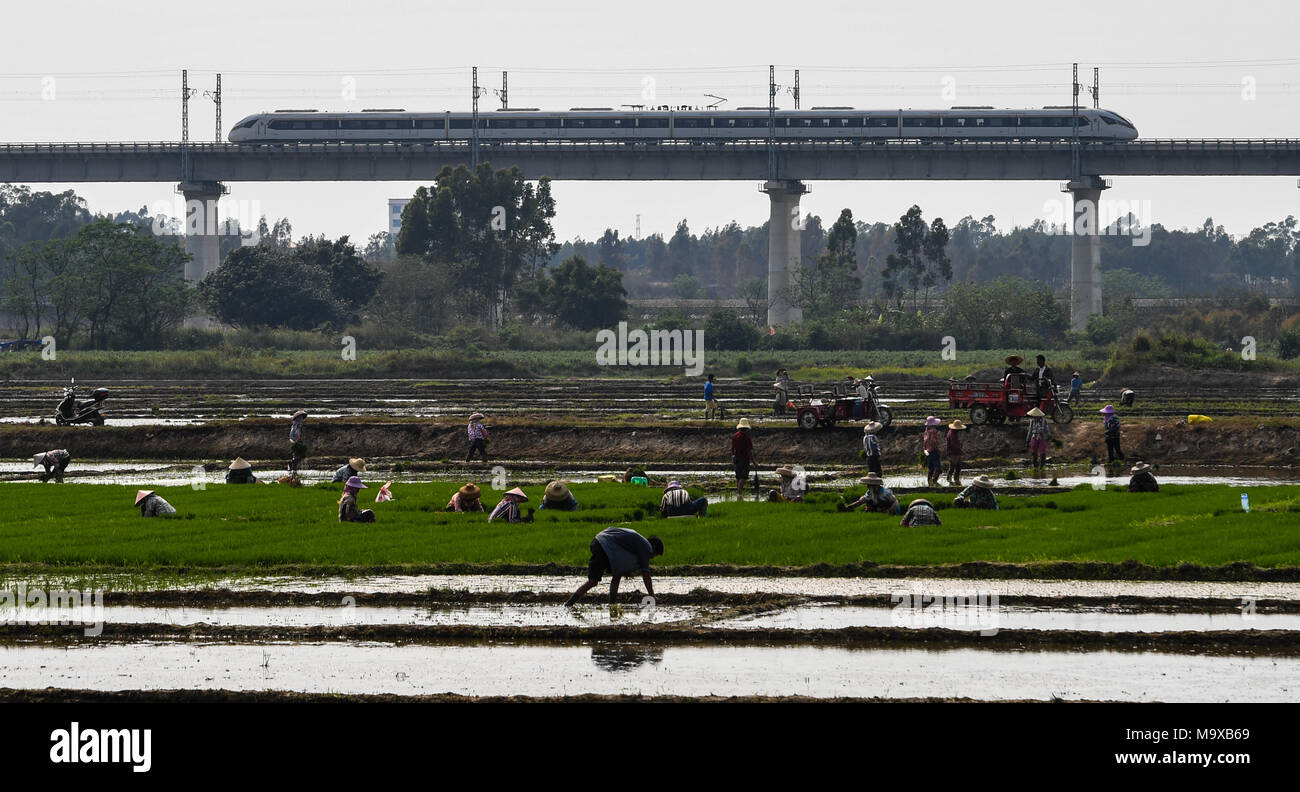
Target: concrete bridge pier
point(202, 232)
point(784, 240)
point(1085, 249)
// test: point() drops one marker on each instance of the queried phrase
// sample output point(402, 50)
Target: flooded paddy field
point(774, 614)
point(633, 668)
point(163, 402)
point(722, 636)
point(717, 479)
point(838, 587)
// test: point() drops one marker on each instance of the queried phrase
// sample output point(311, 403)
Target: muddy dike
point(77, 696)
point(1248, 643)
point(1240, 571)
point(1251, 441)
point(226, 598)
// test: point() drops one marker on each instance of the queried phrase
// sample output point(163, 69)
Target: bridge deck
point(634, 161)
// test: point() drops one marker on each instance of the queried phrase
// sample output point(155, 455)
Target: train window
point(430, 123)
point(882, 121)
point(920, 121)
point(652, 123)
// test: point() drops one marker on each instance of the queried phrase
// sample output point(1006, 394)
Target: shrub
point(1288, 343)
point(1101, 329)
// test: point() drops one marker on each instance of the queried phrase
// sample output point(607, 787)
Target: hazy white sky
point(1177, 69)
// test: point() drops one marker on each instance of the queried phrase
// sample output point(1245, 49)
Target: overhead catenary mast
point(473, 132)
point(215, 96)
point(1074, 137)
point(771, 123)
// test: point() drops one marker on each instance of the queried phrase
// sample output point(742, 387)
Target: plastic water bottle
point(1245, 502)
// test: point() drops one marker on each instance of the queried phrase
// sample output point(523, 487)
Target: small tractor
point(1013, 397)
point(841, 403)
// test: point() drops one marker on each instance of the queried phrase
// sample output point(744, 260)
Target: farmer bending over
point(152, 505)
point(508, 508)
point(355, 467)
point(920, 512)
point(558, 497)
point(792, 486)
point(55, 463)
point(619, 551)
point(979, 495)
point(240, 472)
point(1143, 480)
point(677, 502)
point(467, 499)
point(878, 498)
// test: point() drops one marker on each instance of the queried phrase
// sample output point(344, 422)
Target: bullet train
point(746, 123)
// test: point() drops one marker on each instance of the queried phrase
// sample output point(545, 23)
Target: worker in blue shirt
point(710, 404)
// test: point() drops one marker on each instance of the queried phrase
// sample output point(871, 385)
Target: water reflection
point(616, 657)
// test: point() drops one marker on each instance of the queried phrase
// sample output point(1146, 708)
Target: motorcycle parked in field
point(70, 411)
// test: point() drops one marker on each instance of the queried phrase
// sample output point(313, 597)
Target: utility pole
point(638, 226)
point(796, 89)
point(771, 123)
point(505, 90)
point(1096, 88)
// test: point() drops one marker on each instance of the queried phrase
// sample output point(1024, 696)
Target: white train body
point(838, 124)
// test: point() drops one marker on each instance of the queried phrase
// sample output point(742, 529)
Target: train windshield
point(1112, 118)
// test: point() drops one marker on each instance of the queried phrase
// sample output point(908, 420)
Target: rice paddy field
point(261, 526)
point(1075, 589)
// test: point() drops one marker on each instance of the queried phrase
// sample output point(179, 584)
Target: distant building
point(395, 207)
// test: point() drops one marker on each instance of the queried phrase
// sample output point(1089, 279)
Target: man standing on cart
point(1045, 379)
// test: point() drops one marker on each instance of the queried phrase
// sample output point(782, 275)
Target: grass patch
point(239, 362)
point(262, 526)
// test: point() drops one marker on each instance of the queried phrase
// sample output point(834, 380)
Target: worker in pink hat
point(931, 445)
point(1110, 423)
point(348, 510)
point(508, 508)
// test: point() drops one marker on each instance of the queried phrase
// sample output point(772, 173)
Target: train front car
point(1116, 126)
point(246, 131)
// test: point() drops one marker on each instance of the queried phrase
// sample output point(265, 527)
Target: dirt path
point(1252, 441)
